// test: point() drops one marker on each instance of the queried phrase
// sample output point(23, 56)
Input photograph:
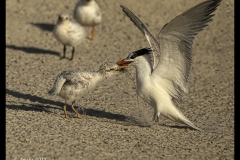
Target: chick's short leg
point(78, 115)
point(73, 51)
point(64, 52)
point(65, 112)
point(92, 33)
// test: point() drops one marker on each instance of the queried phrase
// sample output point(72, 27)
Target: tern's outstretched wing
point(151, 40)
point(176, 39)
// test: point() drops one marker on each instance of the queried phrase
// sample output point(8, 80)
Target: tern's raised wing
point(151, 40)
point(176, 39)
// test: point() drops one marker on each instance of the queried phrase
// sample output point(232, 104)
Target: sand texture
point(116, 123)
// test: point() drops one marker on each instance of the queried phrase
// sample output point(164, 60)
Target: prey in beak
point(124, 63)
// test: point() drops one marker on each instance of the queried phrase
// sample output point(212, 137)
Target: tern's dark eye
point(132, 55)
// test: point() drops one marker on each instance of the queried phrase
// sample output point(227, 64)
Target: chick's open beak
point(123, 63)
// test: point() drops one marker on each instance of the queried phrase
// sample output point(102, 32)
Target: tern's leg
point(65, 112)
point(64, 52)
point(92, 33)
point(155, 117)
point(156, 114)
point(73, 50)
point(78, 115)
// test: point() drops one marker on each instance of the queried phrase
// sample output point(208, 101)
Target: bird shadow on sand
point(32, 98)
point(121, 119)
point(131, 121)
point(177, 127)
point(44, 26)
point(28, 108)
point(33, 50)
point(102, 114)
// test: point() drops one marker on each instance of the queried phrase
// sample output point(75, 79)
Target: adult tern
point(163, 71)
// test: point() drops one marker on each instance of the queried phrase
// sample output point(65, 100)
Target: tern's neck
point(143, 67)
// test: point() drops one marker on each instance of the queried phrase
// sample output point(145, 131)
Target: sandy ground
point(111, 128)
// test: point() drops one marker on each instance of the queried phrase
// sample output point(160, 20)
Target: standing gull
point(87, 13)
point(68, 33)
point(162, 72)
point(72, 85)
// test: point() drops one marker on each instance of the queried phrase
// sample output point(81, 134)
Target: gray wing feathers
point(176, 39)
point(134, 19)
point(172, 56)
point(151, 40)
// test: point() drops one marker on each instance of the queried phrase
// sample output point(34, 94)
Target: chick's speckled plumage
point(72, 85)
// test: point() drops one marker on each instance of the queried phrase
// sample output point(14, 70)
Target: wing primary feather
point(150, 38)
point(134, 19)
point(176, 39)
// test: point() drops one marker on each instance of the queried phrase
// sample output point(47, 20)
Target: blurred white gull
point(162, 72)
point(69, 33)
point(72, 85)
point(87, 13)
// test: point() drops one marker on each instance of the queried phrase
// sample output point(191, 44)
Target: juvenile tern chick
point(162, 72)
point(87, 13)
point(72, 85)
point(69, 33)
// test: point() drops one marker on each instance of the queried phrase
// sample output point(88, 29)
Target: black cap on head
point(139, 52)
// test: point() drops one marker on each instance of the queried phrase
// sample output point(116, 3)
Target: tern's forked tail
point(173, 113)
point(189, 123)
point(184, 120)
